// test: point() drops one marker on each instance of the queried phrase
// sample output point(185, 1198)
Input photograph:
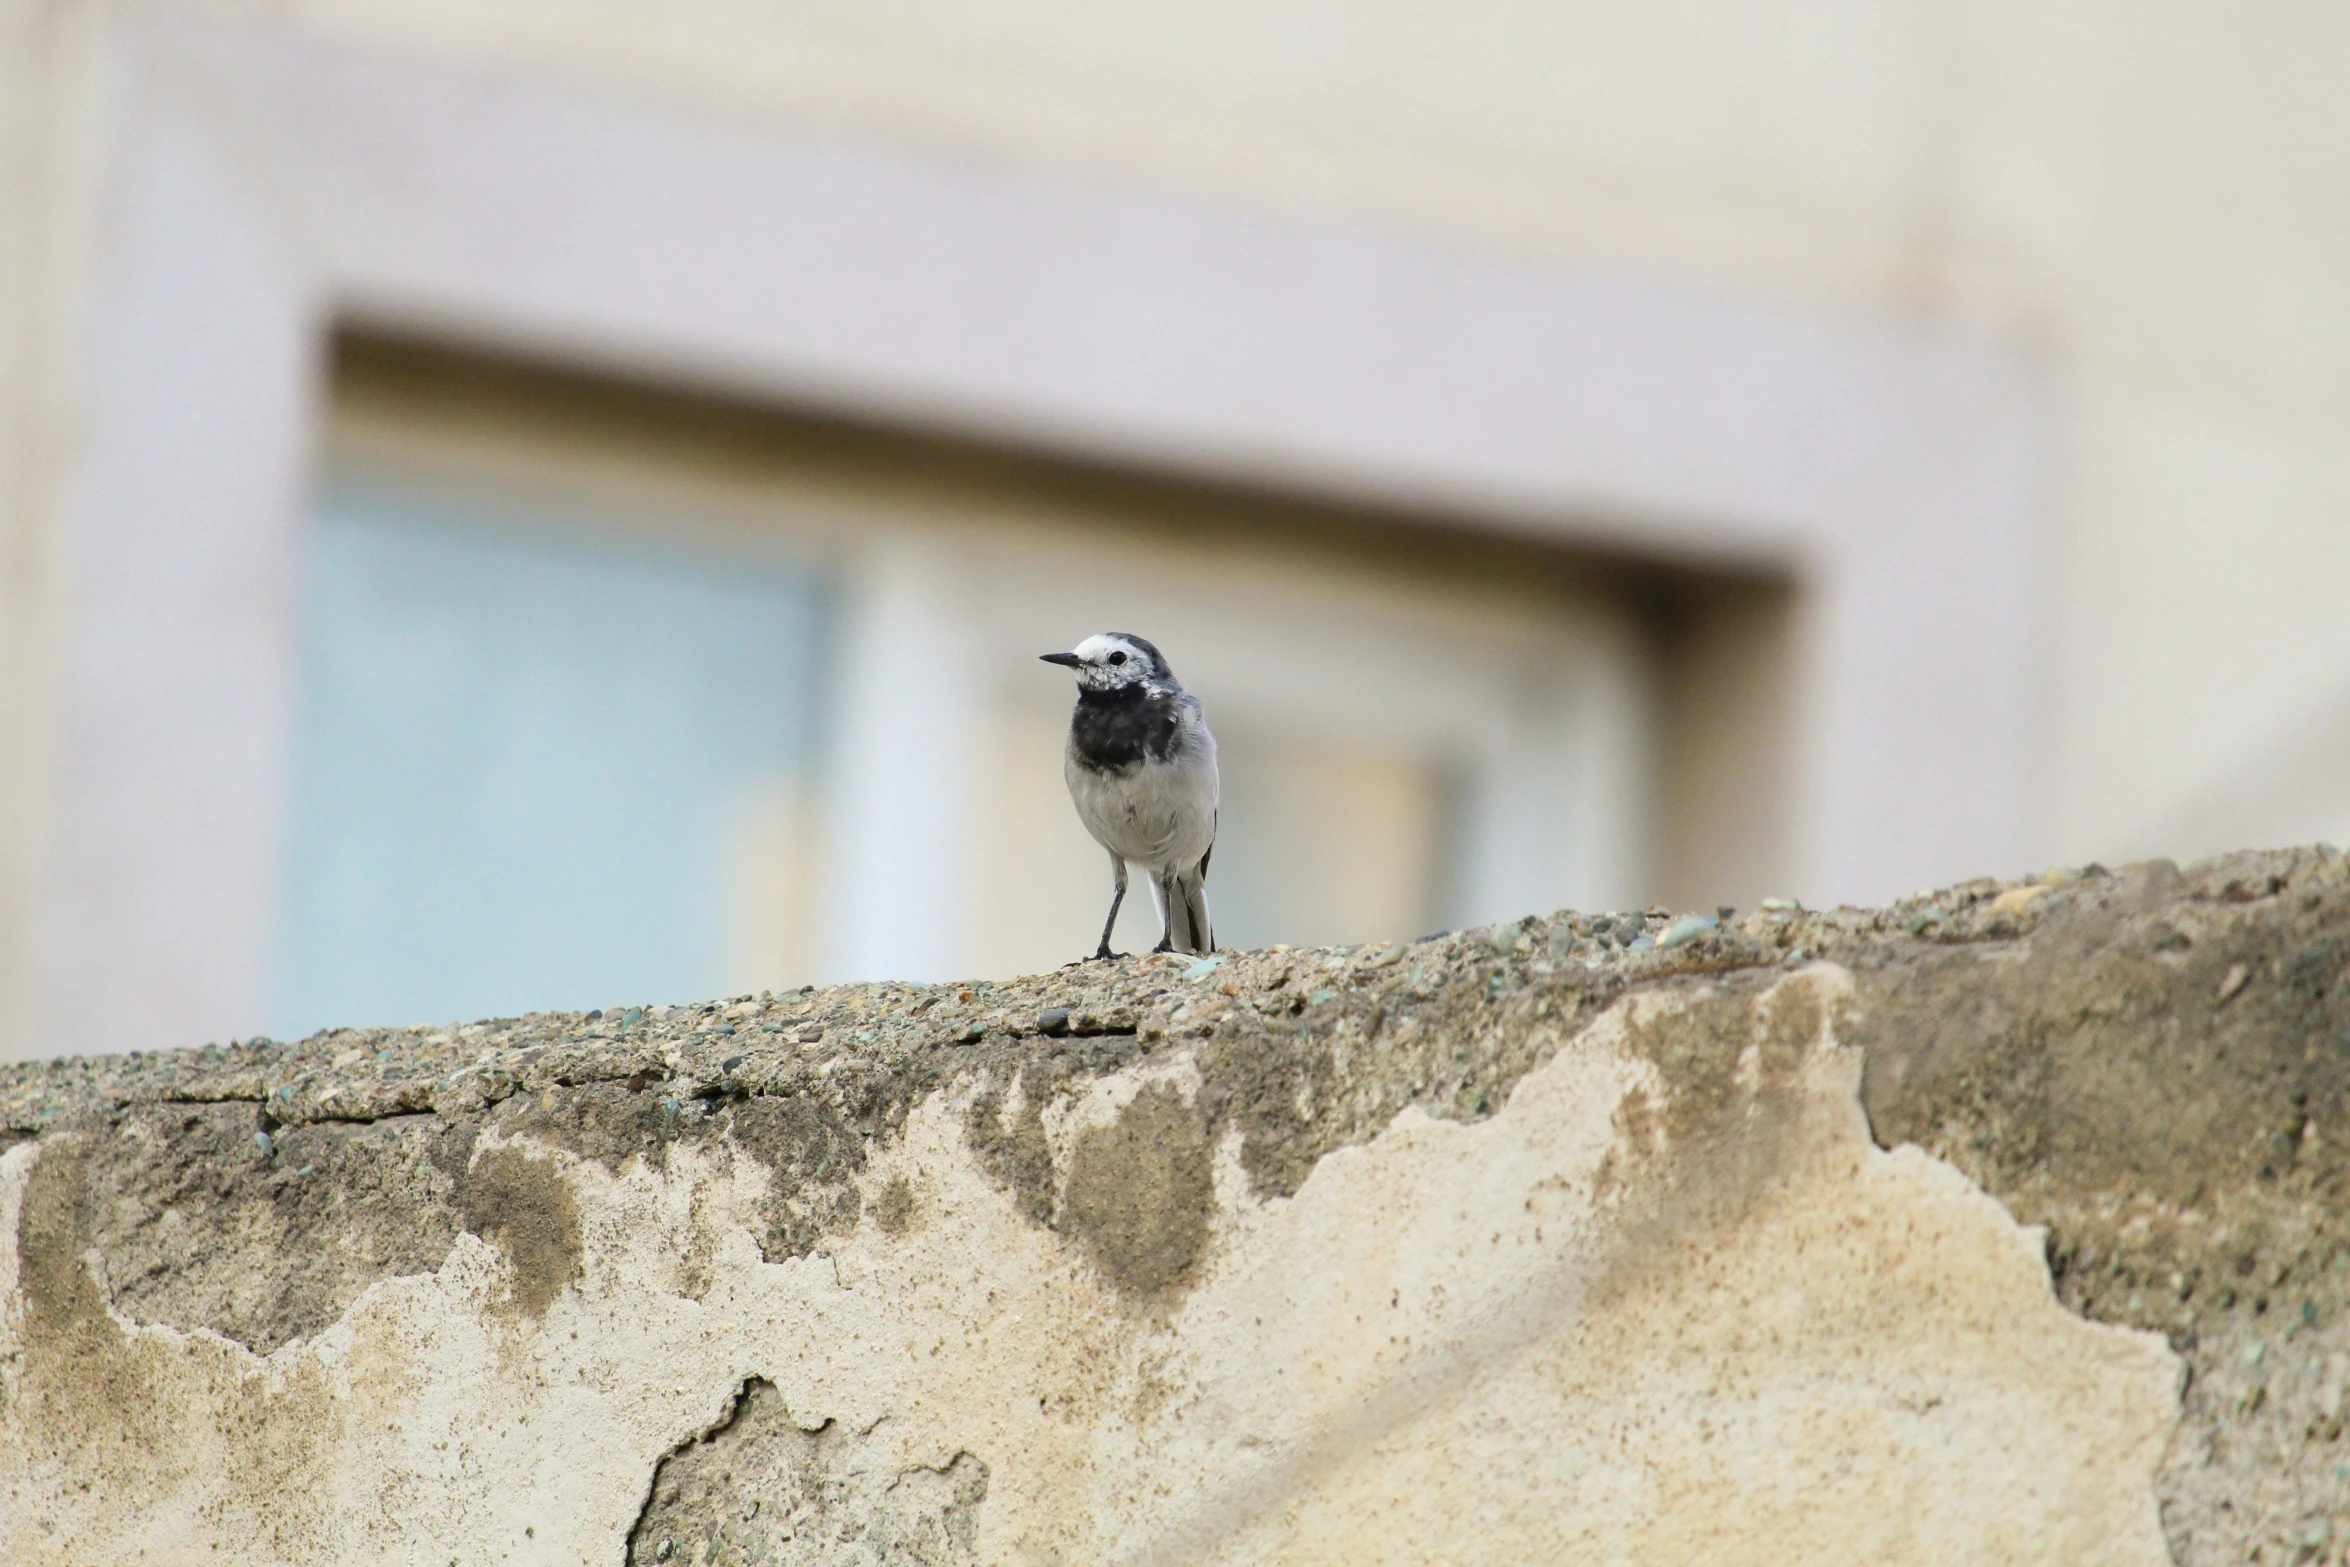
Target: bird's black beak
point(1070, 659)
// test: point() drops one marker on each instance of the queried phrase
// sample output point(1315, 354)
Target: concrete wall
point(2000, 1225)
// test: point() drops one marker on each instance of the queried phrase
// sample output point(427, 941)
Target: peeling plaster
point(1598, 1325)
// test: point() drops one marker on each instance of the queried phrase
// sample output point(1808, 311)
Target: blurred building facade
point(459, 460)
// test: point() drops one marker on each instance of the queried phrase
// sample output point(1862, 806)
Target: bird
point(1141, 767)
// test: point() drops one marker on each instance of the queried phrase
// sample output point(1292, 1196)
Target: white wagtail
point(1141, 766)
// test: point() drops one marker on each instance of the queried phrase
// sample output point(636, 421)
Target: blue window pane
point(519, 757)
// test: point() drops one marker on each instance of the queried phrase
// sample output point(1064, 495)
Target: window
point(531, 764)
point(610, 697)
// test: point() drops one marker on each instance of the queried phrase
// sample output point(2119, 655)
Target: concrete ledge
point(1513, 1245)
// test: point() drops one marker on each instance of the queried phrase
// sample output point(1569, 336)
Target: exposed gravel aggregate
point(794, 1041)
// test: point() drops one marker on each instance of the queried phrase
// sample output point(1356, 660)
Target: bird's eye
point(1117, 658)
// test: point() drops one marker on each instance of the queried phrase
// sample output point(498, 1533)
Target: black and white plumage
point(1141, 766)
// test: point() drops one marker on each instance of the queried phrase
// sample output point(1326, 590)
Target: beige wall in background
point(2156, 197)
point(774, 925)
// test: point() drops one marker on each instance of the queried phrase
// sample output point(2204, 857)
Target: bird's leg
point(1167, 905)
point(1118, 896)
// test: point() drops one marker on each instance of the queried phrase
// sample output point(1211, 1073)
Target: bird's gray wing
point(1192, 931)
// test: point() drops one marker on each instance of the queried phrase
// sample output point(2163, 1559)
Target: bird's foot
point(1103, 953)
point(1165, 945)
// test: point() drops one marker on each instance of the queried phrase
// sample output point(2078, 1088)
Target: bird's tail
point(1188, 927)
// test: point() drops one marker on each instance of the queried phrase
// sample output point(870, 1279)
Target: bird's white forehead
point(1102, 644)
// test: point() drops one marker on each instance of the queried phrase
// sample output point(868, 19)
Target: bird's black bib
point(1115, 730)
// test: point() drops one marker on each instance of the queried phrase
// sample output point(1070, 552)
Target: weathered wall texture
point(1517, 1245)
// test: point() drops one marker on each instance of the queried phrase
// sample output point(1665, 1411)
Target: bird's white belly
point(1160, 814)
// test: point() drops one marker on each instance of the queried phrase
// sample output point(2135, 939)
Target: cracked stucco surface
point(1514, 1245)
